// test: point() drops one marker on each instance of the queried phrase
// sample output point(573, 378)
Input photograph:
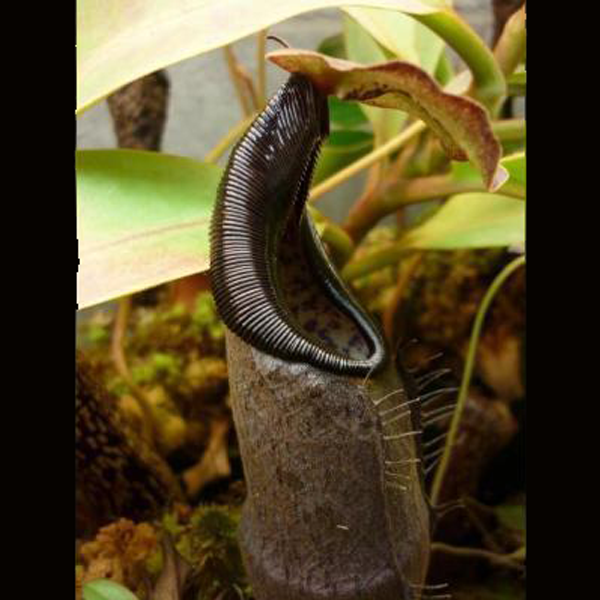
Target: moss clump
point(216, 553)
point(440, 304)
point(446, 291)
point(207, 540)
point(176, 358)
point(159, 366)
point(206, 320)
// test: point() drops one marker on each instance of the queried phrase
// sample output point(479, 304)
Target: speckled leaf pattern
point(142, 220)
point(462, 124)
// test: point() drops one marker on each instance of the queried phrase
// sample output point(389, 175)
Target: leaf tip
point(498, 179)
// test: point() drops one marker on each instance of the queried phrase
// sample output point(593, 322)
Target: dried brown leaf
point(119, 553)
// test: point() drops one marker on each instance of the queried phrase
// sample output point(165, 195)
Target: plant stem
point(405, 274)
point(423, 189)
point(120, 361)
point(510, 49)
point(444, 72)
point(366, 161)
point(365, 214)
point(340, 243)
point(235, 75)
point(509, 130)
point(261, 48)
point(467, 373)
point(517, 84)
point(504, 560)
point(229, 138)
point(373, 262)
point(413, 191)
point(184, 291)
point(489, 85)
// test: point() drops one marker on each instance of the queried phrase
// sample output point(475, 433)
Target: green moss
point(210, 545)
point(205, 317)
point(97, 334)
point(175, 313)
point(165, 363)
point(118, 387)
point(142, 373)
point(446, 291)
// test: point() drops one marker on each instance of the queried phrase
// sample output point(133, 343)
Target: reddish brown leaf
point(462, 124)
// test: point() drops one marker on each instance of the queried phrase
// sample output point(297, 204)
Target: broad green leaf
point(118, 42)
point(346, 115)
point(362, 48)
point(401, 35)
point(105, 589)
point(341, 149)
point(473, 220)
point(514, 165)
point(462, 124)
point(333, 45)
point(142, 220)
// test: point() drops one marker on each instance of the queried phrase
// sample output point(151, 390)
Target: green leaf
point(444, 71)
point(341, 149)
point(142, 220)
point(488, 85)
point(348, 140)
point(462, 125)
point(345, 115)
point(333, 45)
point(401, 35)
point(514, 165)
point(118, 42)
point(473, 220)
point(105, 589)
